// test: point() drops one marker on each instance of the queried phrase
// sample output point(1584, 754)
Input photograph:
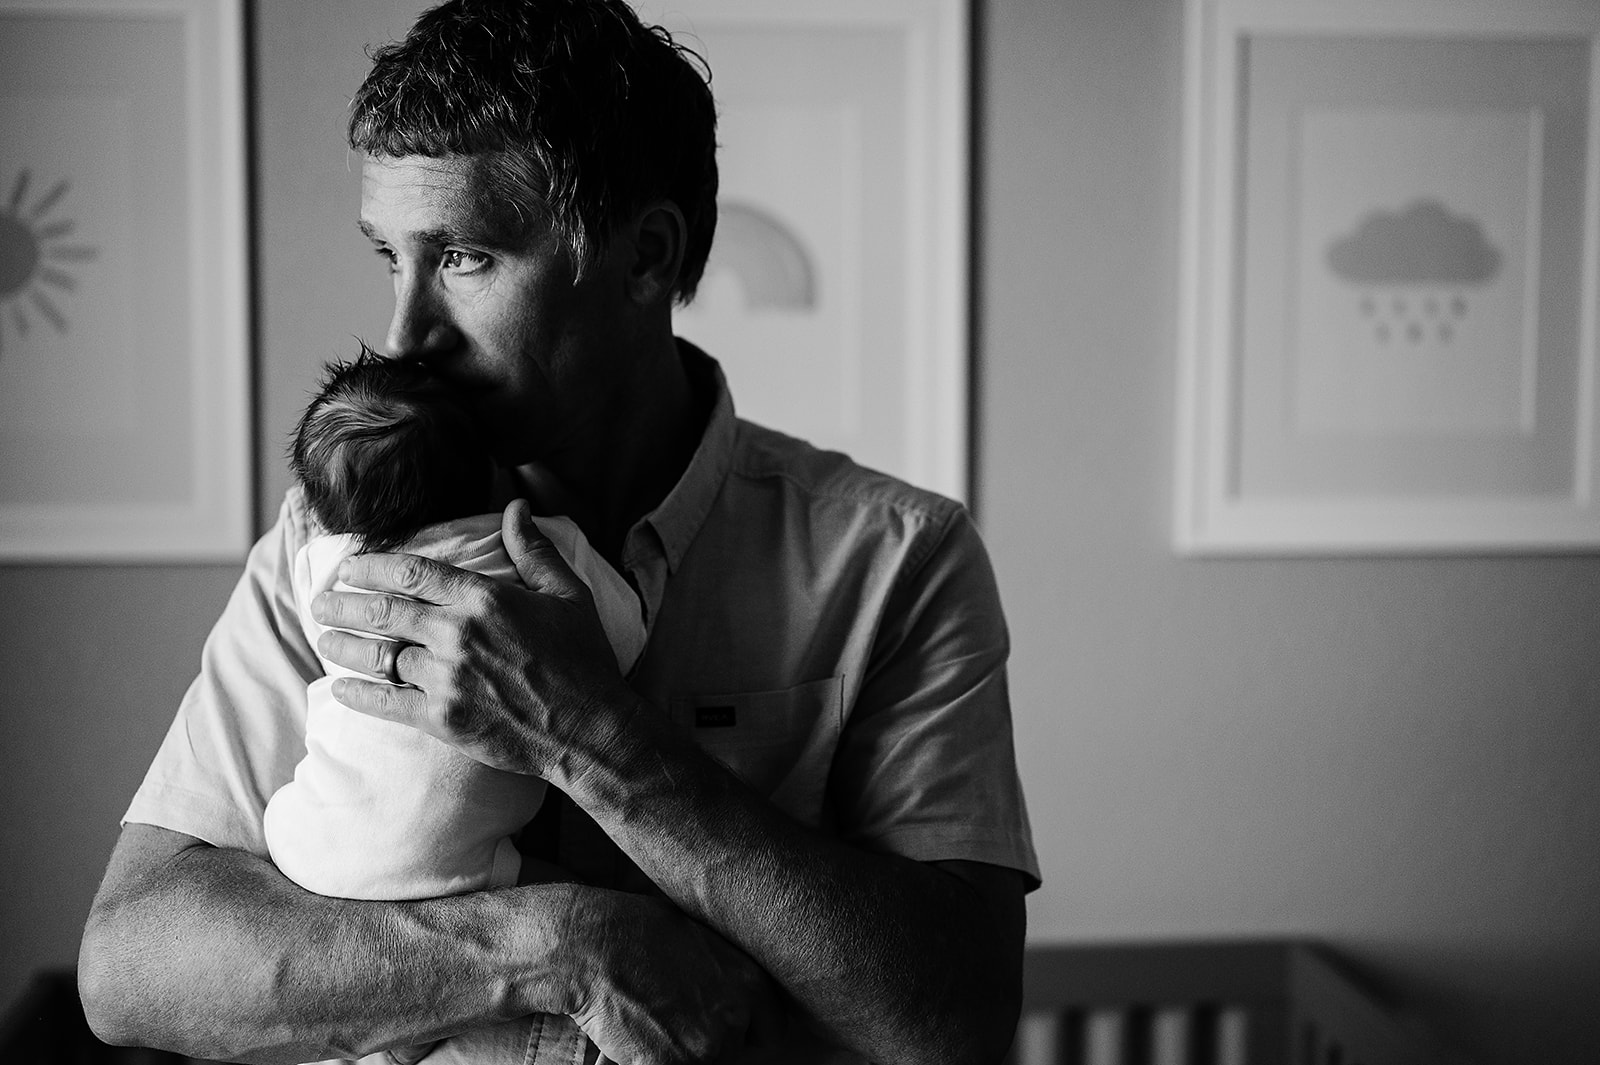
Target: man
point(796, 823)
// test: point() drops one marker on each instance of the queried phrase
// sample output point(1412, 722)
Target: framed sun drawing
point(1391, 212)
point(124, 429)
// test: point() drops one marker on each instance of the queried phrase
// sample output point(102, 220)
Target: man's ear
point(659, 235)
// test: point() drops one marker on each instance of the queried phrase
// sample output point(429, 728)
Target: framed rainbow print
point(124, 407)
point(835, 295)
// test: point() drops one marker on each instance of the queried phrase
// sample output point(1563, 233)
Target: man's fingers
point(386, 615)
point(538, 562)
point(373, 656)
point(411, 1055)
point(409, 575)
point(380, 699)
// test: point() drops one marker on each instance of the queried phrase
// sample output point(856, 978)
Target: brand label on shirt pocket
point(724, 715)
point(779, 742)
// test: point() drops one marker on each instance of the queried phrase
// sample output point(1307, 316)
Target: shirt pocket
point(779, 742)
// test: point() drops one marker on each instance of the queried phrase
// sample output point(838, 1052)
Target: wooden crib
point(1206, 1003)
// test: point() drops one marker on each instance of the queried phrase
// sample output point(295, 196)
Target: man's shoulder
point(764, 456)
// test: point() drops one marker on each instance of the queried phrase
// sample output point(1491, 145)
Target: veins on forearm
point(892, 955)
point(238, 963)
point(886, 952)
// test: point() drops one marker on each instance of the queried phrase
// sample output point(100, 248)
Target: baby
point(379, 810)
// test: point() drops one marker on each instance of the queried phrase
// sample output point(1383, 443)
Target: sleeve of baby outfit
point(926, 766)
point(240, 728)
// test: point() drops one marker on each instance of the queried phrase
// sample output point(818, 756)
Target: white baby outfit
point(380, 810)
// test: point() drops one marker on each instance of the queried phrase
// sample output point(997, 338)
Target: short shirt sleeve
point(240, 728)
point(926, 766)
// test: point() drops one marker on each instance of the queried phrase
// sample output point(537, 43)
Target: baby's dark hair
point(383, 450)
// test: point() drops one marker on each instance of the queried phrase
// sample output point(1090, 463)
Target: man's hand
point(212, 952)
point(661, 987)
point(521, 679)
point(410, 1055)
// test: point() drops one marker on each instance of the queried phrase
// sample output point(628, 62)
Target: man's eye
point(465, 261)
point(387, 255)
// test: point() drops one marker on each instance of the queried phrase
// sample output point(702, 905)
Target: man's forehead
point(422, 197)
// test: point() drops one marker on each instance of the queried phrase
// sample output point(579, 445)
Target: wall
point(94, 660)
point(96, 657)
point(1399, 756)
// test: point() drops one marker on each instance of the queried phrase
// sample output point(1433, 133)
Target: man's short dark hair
point(383, 450)
point(582, 114)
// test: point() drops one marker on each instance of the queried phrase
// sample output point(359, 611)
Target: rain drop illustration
point(1426, 246)
point(36, 257)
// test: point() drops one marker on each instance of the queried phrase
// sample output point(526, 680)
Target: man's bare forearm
point(212, 952)
point(902, 960)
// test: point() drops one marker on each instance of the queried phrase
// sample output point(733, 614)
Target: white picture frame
point(1388, 281)
point(836, 295)
point(124, 337)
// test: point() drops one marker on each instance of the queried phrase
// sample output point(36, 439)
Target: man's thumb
point(538, 562)
point(411, 1055)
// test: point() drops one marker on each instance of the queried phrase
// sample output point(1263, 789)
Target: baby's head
point(383, 450)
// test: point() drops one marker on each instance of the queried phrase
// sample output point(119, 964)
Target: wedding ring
point(391, 662)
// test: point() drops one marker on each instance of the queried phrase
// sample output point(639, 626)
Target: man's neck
point(624, 470)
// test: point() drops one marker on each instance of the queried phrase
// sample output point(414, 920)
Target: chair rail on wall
point(1222, 1003)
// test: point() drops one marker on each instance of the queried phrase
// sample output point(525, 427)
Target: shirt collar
point(679, 517)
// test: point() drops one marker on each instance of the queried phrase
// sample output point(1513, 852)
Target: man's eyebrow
point(441, 235)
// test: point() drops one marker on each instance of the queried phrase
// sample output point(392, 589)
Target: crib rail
point(1233, 1003)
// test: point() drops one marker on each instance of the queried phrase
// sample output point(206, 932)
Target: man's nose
point(421, 326)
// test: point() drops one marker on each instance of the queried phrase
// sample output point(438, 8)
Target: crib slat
point(1169, 1037)
point(1104, 1036)
point(1038, 1040)
point(1233, 1034)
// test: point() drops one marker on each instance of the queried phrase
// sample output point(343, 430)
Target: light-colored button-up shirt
point(830, 634)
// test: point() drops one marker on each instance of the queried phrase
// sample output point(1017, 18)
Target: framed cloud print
point(124, 410)
point(835, 295)
point(1389, 278)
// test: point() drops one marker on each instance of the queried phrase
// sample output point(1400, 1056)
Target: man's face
point(492, 305)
